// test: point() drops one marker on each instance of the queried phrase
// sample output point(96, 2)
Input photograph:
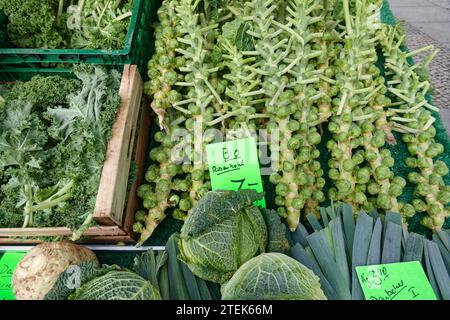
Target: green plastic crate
point(23, 64)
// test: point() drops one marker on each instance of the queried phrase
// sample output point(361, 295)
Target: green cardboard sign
point(234, 165)
point(396, 281)
point(8, 263)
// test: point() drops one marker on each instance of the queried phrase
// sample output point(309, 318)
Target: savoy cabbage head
point(223, 231)
point(117, 285)
point(273, 276)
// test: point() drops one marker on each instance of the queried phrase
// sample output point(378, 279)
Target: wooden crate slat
point(110, 204)
point(140, 158)
point(90, 240)
point(51, 232)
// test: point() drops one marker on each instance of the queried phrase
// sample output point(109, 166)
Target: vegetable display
point(82, 24)
point(154, 276)
point(315, 265)
point(273, 276)
point(329, 93)
point(310, 73)
point(52, 148)
point(40, 268)
point(338, 244)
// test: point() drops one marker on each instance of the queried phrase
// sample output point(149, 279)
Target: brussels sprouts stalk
point(310, 99)
point(162, 66)
point(273, 49)
point(241, 90)
point(410, 88)
point(196, 38)
point(345, 171)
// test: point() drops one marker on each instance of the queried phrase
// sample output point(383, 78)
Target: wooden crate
point(114, 212)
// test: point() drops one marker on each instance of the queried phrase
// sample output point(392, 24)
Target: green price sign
point(396, 281)
point(234, 165)
point(8, 263)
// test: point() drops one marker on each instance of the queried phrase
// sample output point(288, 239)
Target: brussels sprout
point(414, 177)
point(382, 173)
point(152, 174)
point(371, 155)
point(423, 163)
point(348, 165)
point(441, 168)
point(363, 175)
point(373, 188)
point(411, 162)
point(140, 216)
point(408, 210)
point(138, 227)
point(273, 276)
point(144, 191)
point(150, 202)
point(434, 150)
point(384, 202)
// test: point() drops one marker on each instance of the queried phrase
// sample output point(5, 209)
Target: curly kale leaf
point(22, 152)
point(35, 23)
point(49, 178)
point(43, 92)
point(96, 104)
point(22, 137)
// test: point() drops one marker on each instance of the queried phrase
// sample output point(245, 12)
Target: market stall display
point(358, 176)
point(316, 265)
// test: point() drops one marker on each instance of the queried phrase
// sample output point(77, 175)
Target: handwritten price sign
point(234, 165)
point(8, 263)
point(396, 281)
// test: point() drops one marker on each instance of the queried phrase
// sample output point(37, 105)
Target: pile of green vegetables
point(53, 139)
point(80, 24)
point(240, 253)
point(328, 75)
point(338, 244)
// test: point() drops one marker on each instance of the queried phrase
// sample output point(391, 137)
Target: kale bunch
point(36, 23)
point(52, 157)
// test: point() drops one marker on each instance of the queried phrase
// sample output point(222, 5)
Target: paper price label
point(396, 281)
point(234, 165)
point(8, 263)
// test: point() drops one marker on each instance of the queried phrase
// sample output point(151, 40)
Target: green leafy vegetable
point(35, 23)
point(54, 24)
point(224, 231)
point(117, 285)
point(99, 24)
point(273, 276)
point(52, 151)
